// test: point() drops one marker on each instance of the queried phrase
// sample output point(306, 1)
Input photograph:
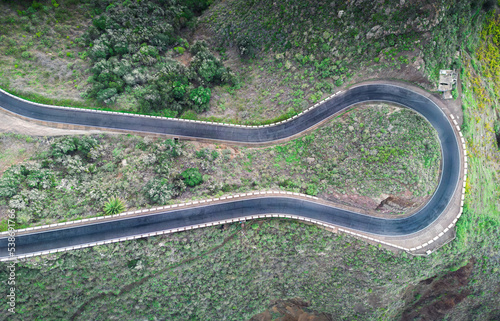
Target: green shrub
point(159, 191)
point(171, 148)
point(41, 179)
point(26, 55)
point(36, 5)
point(114, 205)
point(100, 22)
point(192, 177)
point(10, 182)
point(179, 90)
point(199, 46)
point(69, 145)
point(207, 68)
point(85, 143)
point(179, 50)
point(31, 175)
point(200, 97)
point(315, 97)
point(312, 189)
point(107, 95)
point(63, 147)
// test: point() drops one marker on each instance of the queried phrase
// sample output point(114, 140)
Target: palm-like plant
point(114, 205)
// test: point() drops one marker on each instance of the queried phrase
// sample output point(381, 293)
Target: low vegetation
point(481, 89)
point(101, 51)
point(296, 53)
point(113, 206)
point(234, 272)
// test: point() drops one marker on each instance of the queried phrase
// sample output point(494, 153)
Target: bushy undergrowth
point(211, 274)
point(370, 152)
point(141, 60)
point(132, 46)
point(161, 190)
point(41, 49)
point(479, 226)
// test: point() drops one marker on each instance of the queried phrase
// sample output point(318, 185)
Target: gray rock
point(374, 32)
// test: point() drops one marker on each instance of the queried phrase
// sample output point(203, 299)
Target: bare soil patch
point(432, 298)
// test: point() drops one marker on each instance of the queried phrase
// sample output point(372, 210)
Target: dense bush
point(205, 67)
point(194, 7)
point(10, 182)
point(40, 178)
point(192, 177)
point(162, 155)
point(160, 190)
point(131, 46)
point(73, 144)
point(200, 97)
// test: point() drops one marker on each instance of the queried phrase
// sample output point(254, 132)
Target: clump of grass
point(114, 205)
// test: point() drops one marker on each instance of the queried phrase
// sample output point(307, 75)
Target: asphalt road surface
point(123, 227)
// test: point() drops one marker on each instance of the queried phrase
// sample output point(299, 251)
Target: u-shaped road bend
point(216, 212)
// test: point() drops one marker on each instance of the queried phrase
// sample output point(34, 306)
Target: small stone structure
point(447, 78)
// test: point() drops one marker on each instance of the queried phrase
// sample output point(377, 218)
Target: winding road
point(37, 242)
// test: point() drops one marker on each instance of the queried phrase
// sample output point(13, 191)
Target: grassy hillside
point(262, 61)
point(292, 54)
point(234, 272)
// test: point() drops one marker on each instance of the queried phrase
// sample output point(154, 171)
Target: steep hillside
point(270, 269)
point(264, 60)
